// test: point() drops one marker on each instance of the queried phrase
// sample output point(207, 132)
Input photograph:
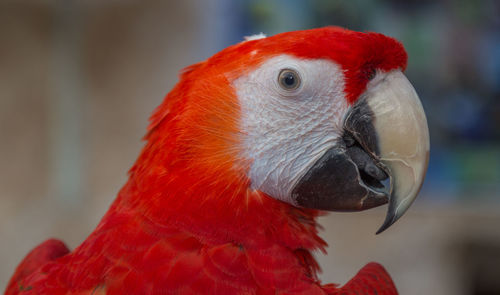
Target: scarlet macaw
point(243, 154)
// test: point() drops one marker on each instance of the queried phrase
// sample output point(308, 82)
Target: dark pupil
point(289, 79)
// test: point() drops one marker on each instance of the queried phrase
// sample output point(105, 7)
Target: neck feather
point(214, 203)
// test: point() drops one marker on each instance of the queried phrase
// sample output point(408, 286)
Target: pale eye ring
point(289, 79)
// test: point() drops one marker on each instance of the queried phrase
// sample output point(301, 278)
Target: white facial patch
point(286, 131)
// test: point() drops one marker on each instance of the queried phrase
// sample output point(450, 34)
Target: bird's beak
point(403, 139)
point(382, 156)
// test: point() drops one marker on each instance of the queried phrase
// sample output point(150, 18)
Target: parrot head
point(321, 119)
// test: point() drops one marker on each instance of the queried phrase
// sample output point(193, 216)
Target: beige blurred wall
point(86, 76)
point(91, 72)
point(441, 249)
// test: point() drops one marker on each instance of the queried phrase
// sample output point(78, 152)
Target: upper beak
point(403, 140)
point(385, 138)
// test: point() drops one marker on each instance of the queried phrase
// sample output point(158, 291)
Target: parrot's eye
point(289, 79)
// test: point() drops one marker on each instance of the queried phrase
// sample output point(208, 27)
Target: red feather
point(187, 222)
point(45, 252)
point(371, 279)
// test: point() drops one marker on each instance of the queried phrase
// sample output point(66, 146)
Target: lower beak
point(381, 158)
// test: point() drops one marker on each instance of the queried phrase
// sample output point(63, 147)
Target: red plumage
point(186, 222)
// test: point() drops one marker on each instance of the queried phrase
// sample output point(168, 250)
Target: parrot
point(240, 159)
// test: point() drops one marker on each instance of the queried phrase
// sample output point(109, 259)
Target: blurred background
point(78, 80)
